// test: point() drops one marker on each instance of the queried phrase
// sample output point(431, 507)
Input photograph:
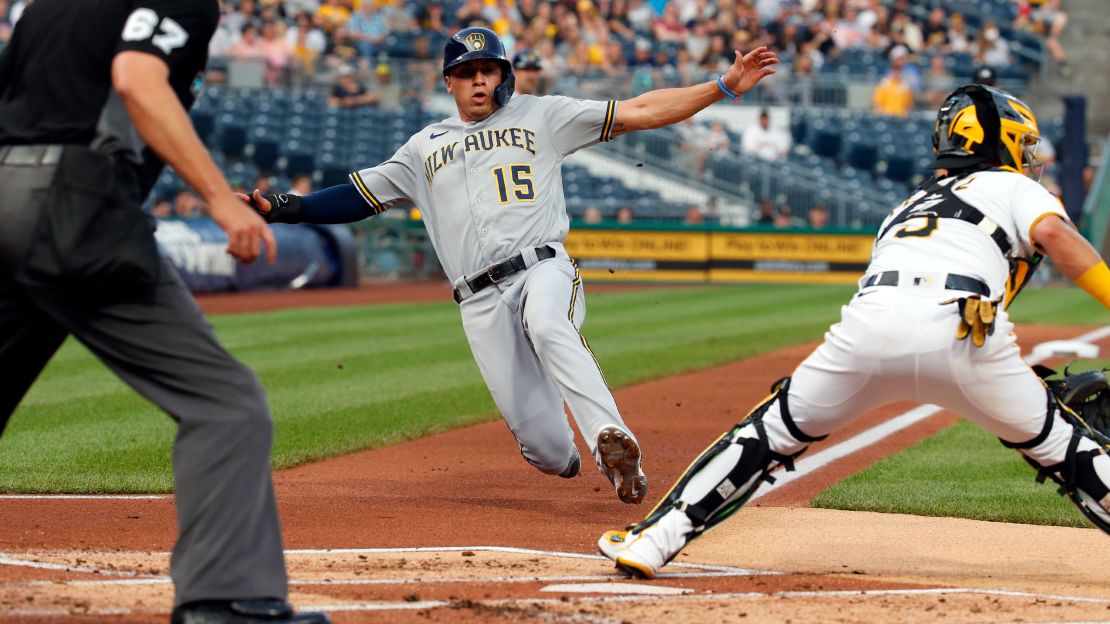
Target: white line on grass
point(808, 465)
point(85, 496)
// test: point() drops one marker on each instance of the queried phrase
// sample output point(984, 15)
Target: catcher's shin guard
point(1084, 475)
point(730, 471)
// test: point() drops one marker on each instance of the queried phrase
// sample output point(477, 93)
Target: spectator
point(262, 183)
point(641, 16)
point(162, 209)
point(592, 214)
point(431, 21)
point(293, 7)
point(798, 87)
point(985, 75)
point(764, 142)
point(938, 82)
point(241, 17)
point(388, 92)
point(348, 92)
point(306, 42)
point(367, 29)
point(332, 14)
point(301, 185)
point(399, 17)
point(907, 31)
point(693, 216)
point(893, 96)
point(187, 205)
point(990, 48)
point(766, 214)
point(528, 65)
point(959, 40)
point(900, 58)
point(341, 50)
point(5, 24)
point(718, 140)
point(624, 215)
point(818, 217)
point(275, 51)
point(248, 47)
point(784, 218)
point(935, 32)
point(669, 28)
point(1044, 17)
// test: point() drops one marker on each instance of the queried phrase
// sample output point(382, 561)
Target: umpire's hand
point(246, 231)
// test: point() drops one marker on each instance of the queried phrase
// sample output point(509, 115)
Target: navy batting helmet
point(474, 43)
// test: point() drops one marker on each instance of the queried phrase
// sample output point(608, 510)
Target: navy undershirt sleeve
point(336, 204)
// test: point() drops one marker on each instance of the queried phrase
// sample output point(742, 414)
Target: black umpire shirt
point(56, 72)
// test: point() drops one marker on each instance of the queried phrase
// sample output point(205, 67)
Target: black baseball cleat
point(573, 468)
point(258, 611)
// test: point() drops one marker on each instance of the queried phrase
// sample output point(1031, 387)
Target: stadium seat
point(899, 168)
point(863, 155)
point(299, 163)
point(827, 143)
point(265, 156)
point(233, 140)
point(204, 123)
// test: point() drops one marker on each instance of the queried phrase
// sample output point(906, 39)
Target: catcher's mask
point(474, 43)
point(980, 125)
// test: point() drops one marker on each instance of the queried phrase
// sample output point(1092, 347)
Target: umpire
point(90, 92)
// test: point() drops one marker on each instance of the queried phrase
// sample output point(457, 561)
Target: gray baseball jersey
point(487, 189)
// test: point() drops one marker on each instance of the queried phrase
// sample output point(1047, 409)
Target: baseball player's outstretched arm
point(142, 82)
point(336, 204)
point(1074, 256)
point(663, 107)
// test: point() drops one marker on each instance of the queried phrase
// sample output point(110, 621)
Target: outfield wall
point(609, 251)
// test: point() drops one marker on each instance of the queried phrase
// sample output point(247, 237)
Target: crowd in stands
point(681, 42)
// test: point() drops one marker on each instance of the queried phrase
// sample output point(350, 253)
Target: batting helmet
point(528, 59)
point(474, 43)
point(981, 125)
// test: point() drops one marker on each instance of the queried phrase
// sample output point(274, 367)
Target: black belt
point(952, 282)
point(499, 272)
point(30, 155)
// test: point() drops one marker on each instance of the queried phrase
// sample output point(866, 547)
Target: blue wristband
point(724, 89)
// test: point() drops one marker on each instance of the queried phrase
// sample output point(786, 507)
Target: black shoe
point(573, 468)
point(258, 611)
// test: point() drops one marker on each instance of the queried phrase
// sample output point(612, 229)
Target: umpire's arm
point(142, 82)
point(1073, 255)
point(663, 107)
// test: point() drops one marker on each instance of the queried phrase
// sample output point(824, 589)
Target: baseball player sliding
point(928, 324)
point(489, 186)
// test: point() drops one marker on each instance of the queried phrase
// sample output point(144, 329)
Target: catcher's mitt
point(1087, 394)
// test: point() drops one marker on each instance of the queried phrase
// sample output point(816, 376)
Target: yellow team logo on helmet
point(476, 41)
point(965, 124)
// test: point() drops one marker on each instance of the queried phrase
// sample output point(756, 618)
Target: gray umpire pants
point(229, 543)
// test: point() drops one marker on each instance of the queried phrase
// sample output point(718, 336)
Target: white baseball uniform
point(489, 190)
point(898, 342)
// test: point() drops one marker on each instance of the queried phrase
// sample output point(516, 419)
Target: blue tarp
point(308, 256)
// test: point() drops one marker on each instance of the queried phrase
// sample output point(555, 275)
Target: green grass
point(961, 472)
point(345, 379)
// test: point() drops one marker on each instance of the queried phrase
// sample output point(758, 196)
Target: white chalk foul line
point(639, 598)
point(809, 465)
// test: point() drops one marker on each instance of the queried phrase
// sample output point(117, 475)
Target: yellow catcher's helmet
point(981, 126)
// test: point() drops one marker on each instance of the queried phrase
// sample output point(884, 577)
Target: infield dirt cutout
point(458, 528)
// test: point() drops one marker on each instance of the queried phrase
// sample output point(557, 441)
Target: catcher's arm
point(1074, 256)
point(336, 204)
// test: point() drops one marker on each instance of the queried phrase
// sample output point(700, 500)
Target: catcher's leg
point(714, 487)
point(1081, 468)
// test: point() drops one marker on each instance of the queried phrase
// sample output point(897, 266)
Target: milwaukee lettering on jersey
point(485, 140)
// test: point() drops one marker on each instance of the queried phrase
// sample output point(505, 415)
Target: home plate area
point(469, 584)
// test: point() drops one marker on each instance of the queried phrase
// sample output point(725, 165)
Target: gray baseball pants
point(229, 543)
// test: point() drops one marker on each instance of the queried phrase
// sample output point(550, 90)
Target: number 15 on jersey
point(514, 182)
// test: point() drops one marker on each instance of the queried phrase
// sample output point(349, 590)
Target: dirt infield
point(457, 528)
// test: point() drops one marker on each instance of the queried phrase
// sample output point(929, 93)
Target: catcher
point(929, 324)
